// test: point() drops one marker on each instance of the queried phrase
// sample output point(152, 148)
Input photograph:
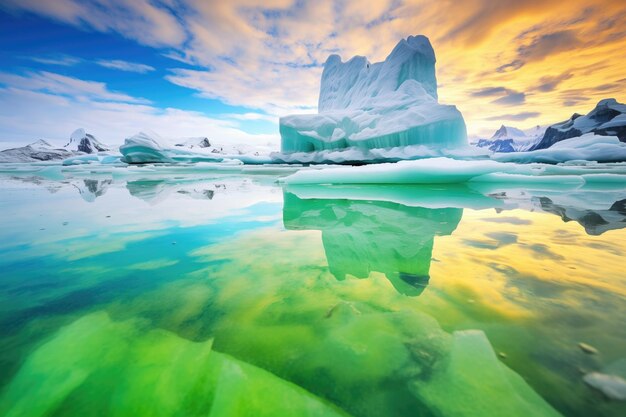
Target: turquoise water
point(227, 295)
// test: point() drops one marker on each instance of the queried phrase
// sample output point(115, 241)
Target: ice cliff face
point(383, 105)
point(80, 141)
point(608, 118)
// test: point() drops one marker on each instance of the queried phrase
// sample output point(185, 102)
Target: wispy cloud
point(70, 87)
point(268, 55)
point(125, 66)
point(42, 97)
point(62, 60)
point(517, 117)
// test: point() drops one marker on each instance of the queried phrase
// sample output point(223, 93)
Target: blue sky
point(229, 69)
point(31, 44)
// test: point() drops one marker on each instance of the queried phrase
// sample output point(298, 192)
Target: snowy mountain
point(608, 118)
point(511, 139)
point(80, 141)
point(382, 105)
point(191, 143)
point(34, 152)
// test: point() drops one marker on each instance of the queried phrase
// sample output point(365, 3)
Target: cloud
point(125, 66)
point(140, 20)
point(510, 99)
point(549, 83)
point(491, 91)
point(268, 55)
point(66, 86)
point(506, 96)
point(518, 117)
point(511, 66)
point(549, 44)
point(62, 60)
point(26, 98)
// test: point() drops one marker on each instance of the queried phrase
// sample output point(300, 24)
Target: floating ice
point(588, 147)
point(446, 170)
point(80, 141)
point(149, 148)
point(382, 105)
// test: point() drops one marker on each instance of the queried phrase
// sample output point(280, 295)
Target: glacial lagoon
point(224, 294)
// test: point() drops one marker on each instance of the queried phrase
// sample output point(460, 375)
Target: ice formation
point(34, 152)
point(447, 170)
point(511, 139)
point(608, 118)
point(383, 105)
point(80, 141)
point(588, 147)
point(144, 148)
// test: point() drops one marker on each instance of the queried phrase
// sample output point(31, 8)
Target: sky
point(228, 70)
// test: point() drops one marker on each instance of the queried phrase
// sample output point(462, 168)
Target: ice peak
point(505, 132)
point(357, 82)
point(41, 143)
point(84, 142)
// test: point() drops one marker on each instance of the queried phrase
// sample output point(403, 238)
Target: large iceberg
point(383, 105)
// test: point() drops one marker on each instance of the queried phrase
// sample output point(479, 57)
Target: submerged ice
point(382, 105)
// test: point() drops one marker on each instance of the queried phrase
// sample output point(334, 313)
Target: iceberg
point(452, 171)
point(588, 147)
point(144, 148)
point(382, 105)
point(80, 141)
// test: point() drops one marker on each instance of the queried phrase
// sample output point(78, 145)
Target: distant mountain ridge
point(608, 118)
point(511, 139)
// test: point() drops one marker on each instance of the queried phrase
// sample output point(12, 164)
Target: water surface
point(227, 295)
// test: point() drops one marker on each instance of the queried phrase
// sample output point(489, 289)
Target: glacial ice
point(382, 105)
point(588, 147)
point(447, 170)
point(144, 148)
point(128, 369)
point(80, 141)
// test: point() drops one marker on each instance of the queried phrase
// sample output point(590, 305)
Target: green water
point(227, 295)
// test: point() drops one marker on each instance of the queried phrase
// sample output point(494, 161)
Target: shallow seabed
point(229, 295)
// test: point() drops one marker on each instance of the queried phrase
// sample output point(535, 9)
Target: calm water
point(229, 295)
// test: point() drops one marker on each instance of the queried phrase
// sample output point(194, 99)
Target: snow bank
point(382, 105)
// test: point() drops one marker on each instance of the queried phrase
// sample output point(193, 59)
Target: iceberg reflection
point(360, 237)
